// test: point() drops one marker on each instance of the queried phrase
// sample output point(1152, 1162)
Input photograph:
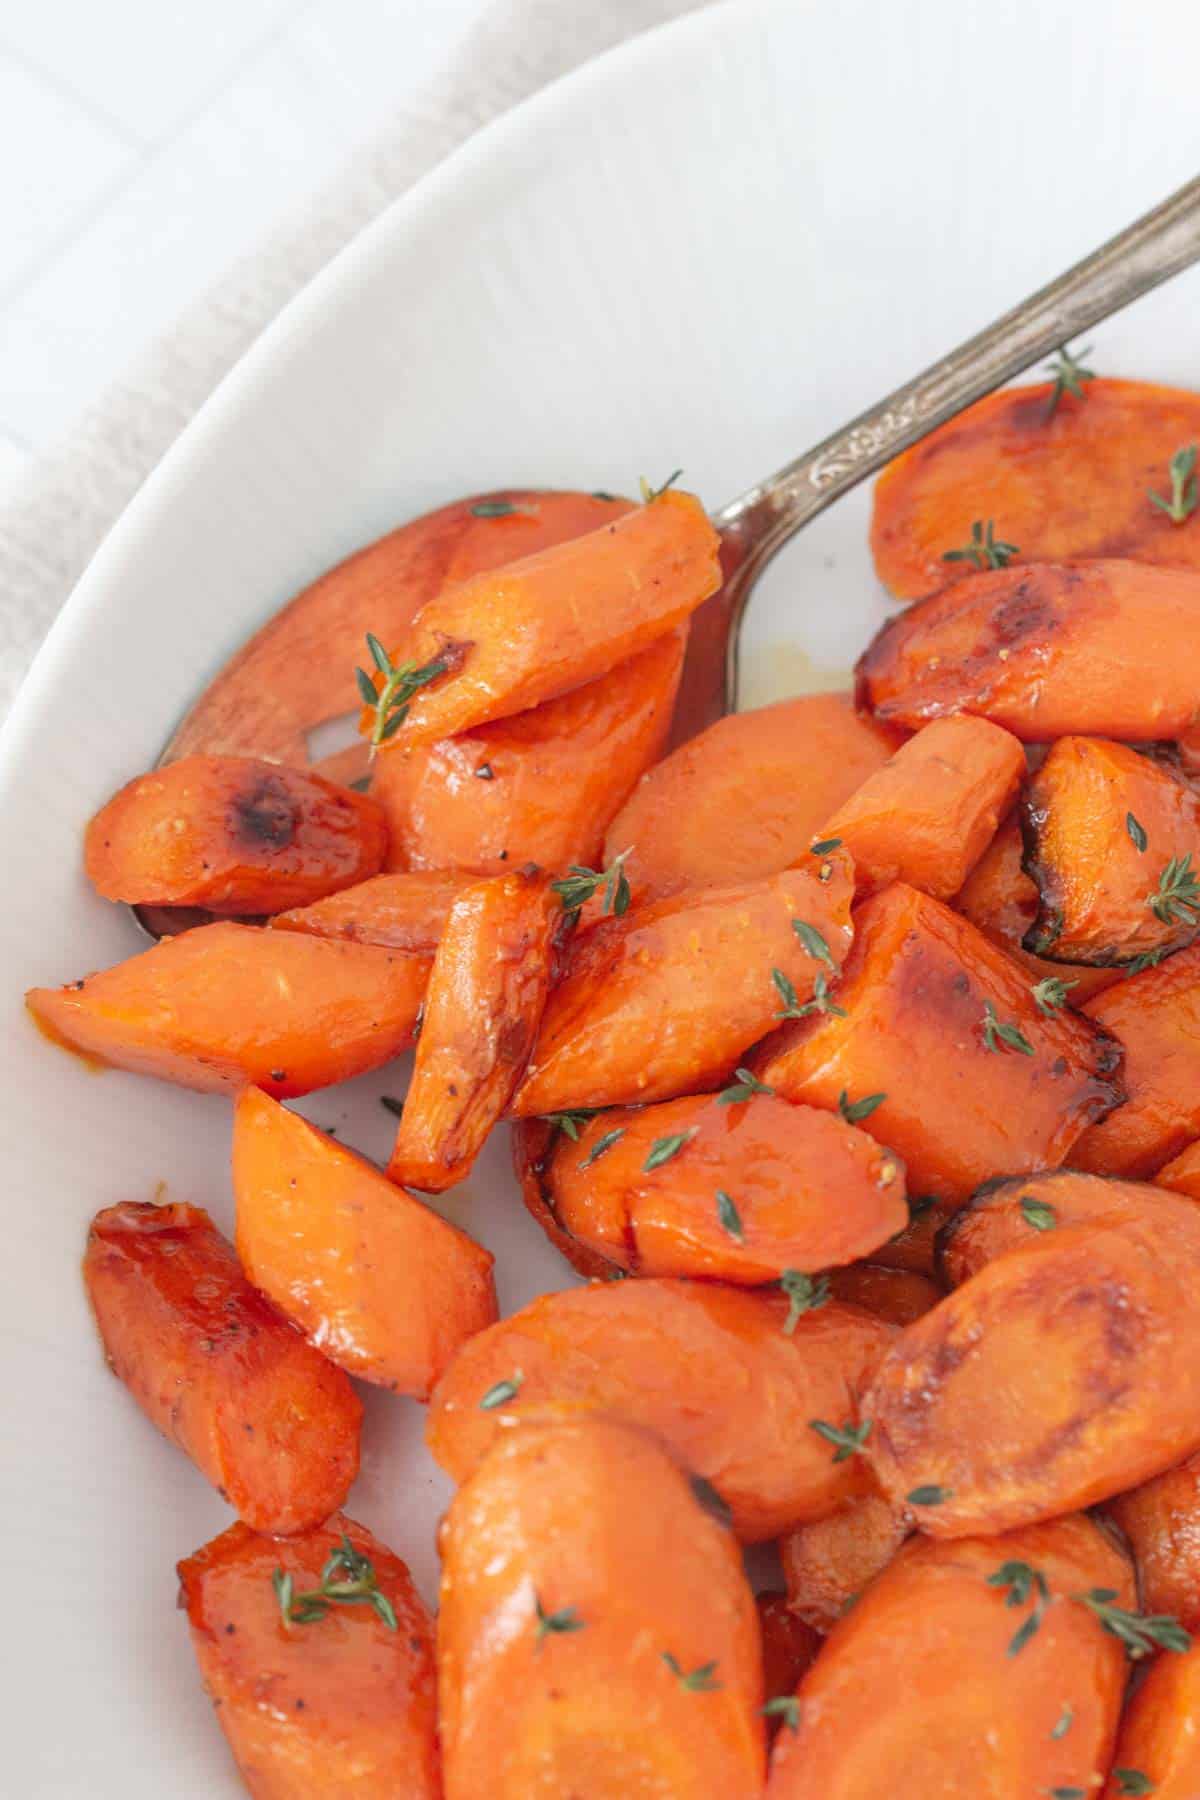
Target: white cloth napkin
point(53, 524)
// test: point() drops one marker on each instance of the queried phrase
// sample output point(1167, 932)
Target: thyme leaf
point(847, 1439)
point(805, 1294)
point(1182, 470)
point(985, 550)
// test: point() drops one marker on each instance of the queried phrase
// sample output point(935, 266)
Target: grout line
point(53, 80)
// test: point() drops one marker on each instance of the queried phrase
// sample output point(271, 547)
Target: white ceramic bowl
point(707, 248)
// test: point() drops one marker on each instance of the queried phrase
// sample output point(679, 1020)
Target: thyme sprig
point(1139, 1632)
point(579, 884)
point(348, 1579)
point(1023, 1583)
point(985, 550)
point(554, 1624)
point(390, 700)
point(820, 1002)
point(847, 1439)
point(1183, 500)
point(1069, 375)
point(746, 1085)
point(1176, 899)
point(653, 493)
point(1050, 994)
point(805, 1294)
point(701, 1680)
point(998, 1031)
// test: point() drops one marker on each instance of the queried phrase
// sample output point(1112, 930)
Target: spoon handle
point(755, 525)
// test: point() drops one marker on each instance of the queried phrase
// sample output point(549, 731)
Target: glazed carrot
point(918, 1692)
point(489, 983)
point(788, 1647)
point(974, 1078)
point(1012, 1214)
point(1060, 1373)
point(912, 1251)
point(1156, 1016)
point(748, 796)
point(1100, 647)
point(514, 637)
point(710, 1370)
point(539, 787)
point(1182, 1173)
point(929, 814)
point(734, 1192)
point(296, 672)
point(532, 1143)
point(1158, 1741)
point(345, 1705)
point(665, 1000)
point(227, 1005)
point(828, 1564)
point(1061, 478)
point(394, 912)
point(897, 1295)
point(1161, 1520)
point(1107, 832)
point(597, 1636)
point(234, 835)
point(1002, 900)
point(380, 1283)
point(263, 1416)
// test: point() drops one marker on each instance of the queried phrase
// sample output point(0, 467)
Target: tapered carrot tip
point(316, 1697)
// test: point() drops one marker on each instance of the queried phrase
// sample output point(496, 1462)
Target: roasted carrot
point(489, 983)
point(735, 1192)
point(507, 640)
point(1161, 1520)
point(940, 1040)
point(342, 1703)
point(394, 912)
point(228, 1005)
point(1158, 1748)
point(1156, 1016)
point(1107, 832)
point(539, 787)
point(712, 1370)
point(897, 1295)
point(748, 796)
point(263, 1416)
point(597, 1636)
point(788, 1647)
point(918, 1690)
point(912, 1251)
point(1002, 900)
point(1011, 1214)
point(1060, 1373)
point(532, 1143)
point(665, 1000)
point(293, 673)
point(927, 816)
point(379, 1282)
point(1103, 648)
point(232, 834)
point(1182, 1173)
point(828, 1563)
point(1061, 476)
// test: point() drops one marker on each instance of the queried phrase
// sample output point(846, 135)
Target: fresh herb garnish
point(804, 1295)
point(813, 942)
point(701, 1680)
point(1139, 1632)
point(551, 1624)
point(854, 1111)
point(729, 1216)
point(1038, 1213)
point(495, 509)
point(747, 1083)
point(1063, 1723)
point(825, 846)
point(785, 1707)
point(847, 1439)
point(664, 1148)
point(390, 1104)
point(1132, 1781)
point(653, 493)
point(1182, 470)
point(602, 1144)
point(501, 1392)
point(1149, 959)
point(929, 1495)
point(390, 703)
point(1137, 832)
point(996, 1030)
point(348, 1579)
point(1051, 993)
point(569, 1122)
point(1177, 896)
point(985, 549)
point(820, 1002)
point(1069, 375)
point(1023, 1583)
point(1067, 1793)
point(579, 884)
point(602, 494)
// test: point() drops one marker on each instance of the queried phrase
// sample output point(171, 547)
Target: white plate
point(708, 248)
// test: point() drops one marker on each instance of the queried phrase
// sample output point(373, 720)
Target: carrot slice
point(1156, 1016)
point(1002, 900)
point(1182, 1173)
point(829, 1562)
point(263, 1416)
point(913, 1250)
point(1158, 1741)
point(380, 1283)
point(979, 1719)
point(665, 1000)
point(539, 787)
point(1102, 648)
point(394, 912)
point(1060, 1373)
point(597, 1636)
point(897, 1295)
point(343, 1706)
point(1109, 839)
point(941, 1032)
point(234, 835)
point(928, 815)
point(486, 994)
point(748, 796)
point(788, 1647)
point(733, 1192)
point(1061, 478)
point(532, 1143)
point(514, 637)
point(227, 1005)
point(678, 1359)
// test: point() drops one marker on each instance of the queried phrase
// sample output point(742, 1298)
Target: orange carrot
point(1158, 1750)
point(263, 1416)
point(788, 1647)
point(394, 912)
point(897, 1295)
point(228, 1005)
point(1012, 1214)
point(1161, 1520)
point(532, 1142)
point(1156, 1016)
point(829, 1562)
point(376, 1280)
point(1182, 1173)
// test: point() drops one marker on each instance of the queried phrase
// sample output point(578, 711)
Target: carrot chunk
point(532, 1143)
point(1156, 1016)
point(788, 1647)
point(829, 1562)
point(343, 1705)
point(376, 1280)
point(1182, 1173)
point(264, 1417)
point(679, 1359)
point(1158, 1740)
point(228, 1005)
point(393, 912)
point(1161, 1519)
point(597, 1636)
point(897, 1295)
point(942, 1043)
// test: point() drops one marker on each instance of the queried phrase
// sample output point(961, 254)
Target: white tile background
point(146, 144)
